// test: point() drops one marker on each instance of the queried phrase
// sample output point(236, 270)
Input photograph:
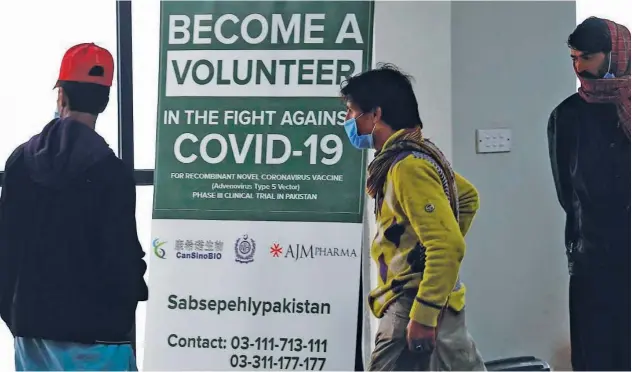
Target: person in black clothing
point(589, 148)
point(71, 265)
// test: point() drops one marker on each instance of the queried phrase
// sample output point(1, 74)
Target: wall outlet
point(493, 140)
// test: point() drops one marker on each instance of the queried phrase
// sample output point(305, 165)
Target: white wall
point(619, 11)
point(487, 65)
point(415, 36)
point(510, 68)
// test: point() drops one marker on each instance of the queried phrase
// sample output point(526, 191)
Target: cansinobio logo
point(158, 250)
point(199, 255)
point(199, 249)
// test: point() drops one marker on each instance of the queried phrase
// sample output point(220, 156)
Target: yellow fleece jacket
point(415, 221)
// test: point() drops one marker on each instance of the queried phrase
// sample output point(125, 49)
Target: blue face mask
point(359, 141)
point(56, 114)
point(609, 75)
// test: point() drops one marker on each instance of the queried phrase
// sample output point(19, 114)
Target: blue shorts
point(44, 355)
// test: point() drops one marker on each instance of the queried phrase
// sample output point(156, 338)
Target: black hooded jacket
point(71, 265)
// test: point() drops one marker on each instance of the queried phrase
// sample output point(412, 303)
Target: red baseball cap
point(87, 63)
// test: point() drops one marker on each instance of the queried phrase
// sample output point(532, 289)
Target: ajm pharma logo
point(301, 251)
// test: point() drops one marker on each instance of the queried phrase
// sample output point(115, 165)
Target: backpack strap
point(446, 186)
point(444, 179)
point(420, 155)
point(379, 198)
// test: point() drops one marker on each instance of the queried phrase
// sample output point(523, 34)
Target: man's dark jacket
point(71, 266)
point(590, 159)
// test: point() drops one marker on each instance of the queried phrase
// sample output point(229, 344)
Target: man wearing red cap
point(589, 148)
point(71, 266)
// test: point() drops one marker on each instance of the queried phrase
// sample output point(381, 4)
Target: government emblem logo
point(245, 250)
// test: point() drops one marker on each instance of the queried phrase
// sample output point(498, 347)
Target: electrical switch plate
point(493, 140)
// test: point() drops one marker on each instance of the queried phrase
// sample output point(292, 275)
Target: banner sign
point(258, 199)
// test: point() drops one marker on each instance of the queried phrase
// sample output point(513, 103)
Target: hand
point(421, 338)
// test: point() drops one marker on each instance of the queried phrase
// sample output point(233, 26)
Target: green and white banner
point(257, 222)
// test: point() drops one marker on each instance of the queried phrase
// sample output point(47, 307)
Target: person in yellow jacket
point(423, 210)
